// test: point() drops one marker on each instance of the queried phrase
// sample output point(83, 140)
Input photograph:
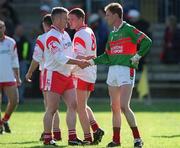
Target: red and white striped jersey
point(38, 54)
point(84, 44)
point(58, 50)
point(8, 59)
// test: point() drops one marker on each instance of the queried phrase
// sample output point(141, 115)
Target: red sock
point(72, 134)
point(47, 138)
point(94, 125)
point(135, 132)
point(87, 137)
point(116, 135)
point(57, 134)
point(6, 117)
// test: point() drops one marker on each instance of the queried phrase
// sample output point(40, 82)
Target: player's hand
point(83, 64)
point(18, 81)
point(85, 57)
point(28, 77)
point(90, 57)
point(135, 59)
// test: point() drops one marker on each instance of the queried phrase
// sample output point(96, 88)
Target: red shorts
point(83, 85)
point(3, 84)
point(56, 82)
point(41, 86)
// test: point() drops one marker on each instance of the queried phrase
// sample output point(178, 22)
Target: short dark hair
point(58, 10)
point(78, 12)
point(47, 19)
point(115, 8)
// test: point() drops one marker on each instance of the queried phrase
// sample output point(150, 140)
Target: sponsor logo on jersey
point(117, 49)
point(67, 45)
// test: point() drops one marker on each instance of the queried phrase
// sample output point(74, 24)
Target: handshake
point(84, 62)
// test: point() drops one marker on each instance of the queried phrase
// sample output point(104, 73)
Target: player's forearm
point(80, 57)
point(73, 61)
point(145, 45)
point(102, 59)
point(33, 66)
point(85, 57)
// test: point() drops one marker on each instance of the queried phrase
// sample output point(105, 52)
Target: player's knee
point(115, 108)
point(125, 109)
point(72, 106)
point(13, 101)
point(52, 111)
point(81, 107)
point(122, 109)
point(17, 101)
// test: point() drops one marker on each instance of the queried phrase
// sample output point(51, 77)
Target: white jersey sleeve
point(15, 60)
point(38, 54)
point(38, 50)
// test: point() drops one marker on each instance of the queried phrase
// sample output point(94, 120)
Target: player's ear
point(116, 15)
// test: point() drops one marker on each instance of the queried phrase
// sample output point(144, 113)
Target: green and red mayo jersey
point(122, 45)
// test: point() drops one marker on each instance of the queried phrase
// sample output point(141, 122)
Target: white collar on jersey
point(116, 29)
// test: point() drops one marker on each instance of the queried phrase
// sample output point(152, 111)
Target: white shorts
point(120, 75)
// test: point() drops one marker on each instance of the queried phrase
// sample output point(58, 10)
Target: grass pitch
point(159, 124)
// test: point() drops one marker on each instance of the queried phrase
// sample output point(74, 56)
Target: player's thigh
point(52, 100)
point(11, 92)
point(82, 97)
point(114, 93)
point(125, 94)
point(70, 98)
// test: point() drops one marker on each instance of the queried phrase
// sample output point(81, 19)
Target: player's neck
point(2, 37)
point(81, 25)
point(118, 23)
point(56, 27)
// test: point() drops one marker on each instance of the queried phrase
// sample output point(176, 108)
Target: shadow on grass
point(25, 142)
point(103, 105)
point(169, 136)
point(32, 142)
point(63, 146)
point(49, 146)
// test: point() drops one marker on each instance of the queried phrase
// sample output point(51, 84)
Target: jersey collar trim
point(120, 26)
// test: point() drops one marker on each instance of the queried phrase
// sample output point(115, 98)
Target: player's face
point(73, 21)
point(110, 18)
point(46, 27)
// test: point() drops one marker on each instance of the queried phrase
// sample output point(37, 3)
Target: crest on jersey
point(53, 46)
